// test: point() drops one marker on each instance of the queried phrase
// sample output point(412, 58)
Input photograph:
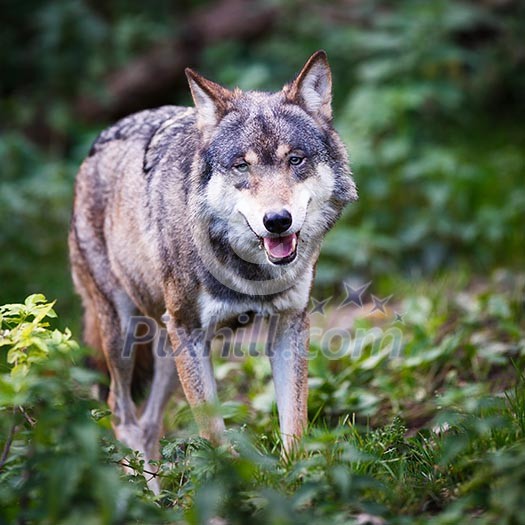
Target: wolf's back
point(137, 135)
point(129, 149)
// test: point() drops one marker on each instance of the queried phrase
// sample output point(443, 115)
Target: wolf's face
point(273, 174)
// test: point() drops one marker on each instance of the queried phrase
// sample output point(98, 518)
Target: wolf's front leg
point(193, 362)
point(288, 350)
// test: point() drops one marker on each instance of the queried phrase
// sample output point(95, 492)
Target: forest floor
point(416, 410)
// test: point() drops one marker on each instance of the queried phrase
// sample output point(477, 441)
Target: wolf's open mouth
point(281, 250)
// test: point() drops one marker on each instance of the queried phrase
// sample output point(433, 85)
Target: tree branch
point(151, 78)
point(7, 445)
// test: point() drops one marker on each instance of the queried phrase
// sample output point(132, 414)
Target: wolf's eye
point(241, 167)
point(295, 160)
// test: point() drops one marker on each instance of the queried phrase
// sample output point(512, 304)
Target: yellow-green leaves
point(26, 335)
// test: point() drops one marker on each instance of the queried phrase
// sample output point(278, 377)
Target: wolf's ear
point(212, 101)
point(312, 88)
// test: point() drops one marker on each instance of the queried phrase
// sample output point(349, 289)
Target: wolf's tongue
point(280, 247)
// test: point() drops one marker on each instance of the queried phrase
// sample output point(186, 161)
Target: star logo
point(319, 306)
point(379, 304)
point(354, 295)
point(399, 318)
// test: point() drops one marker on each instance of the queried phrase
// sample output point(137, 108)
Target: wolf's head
point(272, 173)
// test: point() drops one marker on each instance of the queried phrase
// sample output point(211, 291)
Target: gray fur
point(163, 221)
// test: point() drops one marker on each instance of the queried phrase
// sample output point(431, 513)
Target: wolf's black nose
point(277, 221)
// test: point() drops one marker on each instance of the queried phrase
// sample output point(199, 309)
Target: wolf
point(194, 216)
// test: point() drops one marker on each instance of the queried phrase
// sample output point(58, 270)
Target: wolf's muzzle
point(280, 249)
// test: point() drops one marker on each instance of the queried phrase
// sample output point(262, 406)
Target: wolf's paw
point(134, 438)
point(131, 436)
point(151, 436)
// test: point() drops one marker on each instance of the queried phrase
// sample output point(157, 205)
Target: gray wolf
point(194, 216)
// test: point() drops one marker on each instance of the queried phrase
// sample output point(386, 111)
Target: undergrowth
point(433, 434)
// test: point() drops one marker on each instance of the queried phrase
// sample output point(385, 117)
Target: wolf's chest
point(219, 310)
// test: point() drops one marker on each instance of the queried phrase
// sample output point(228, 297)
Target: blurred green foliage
point(428, 97)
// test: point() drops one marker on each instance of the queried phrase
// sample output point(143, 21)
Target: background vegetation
point(429, 99)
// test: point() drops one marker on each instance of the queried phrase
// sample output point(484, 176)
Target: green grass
point(435, 434)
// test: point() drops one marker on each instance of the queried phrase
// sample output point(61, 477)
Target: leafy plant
point(53, 468)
